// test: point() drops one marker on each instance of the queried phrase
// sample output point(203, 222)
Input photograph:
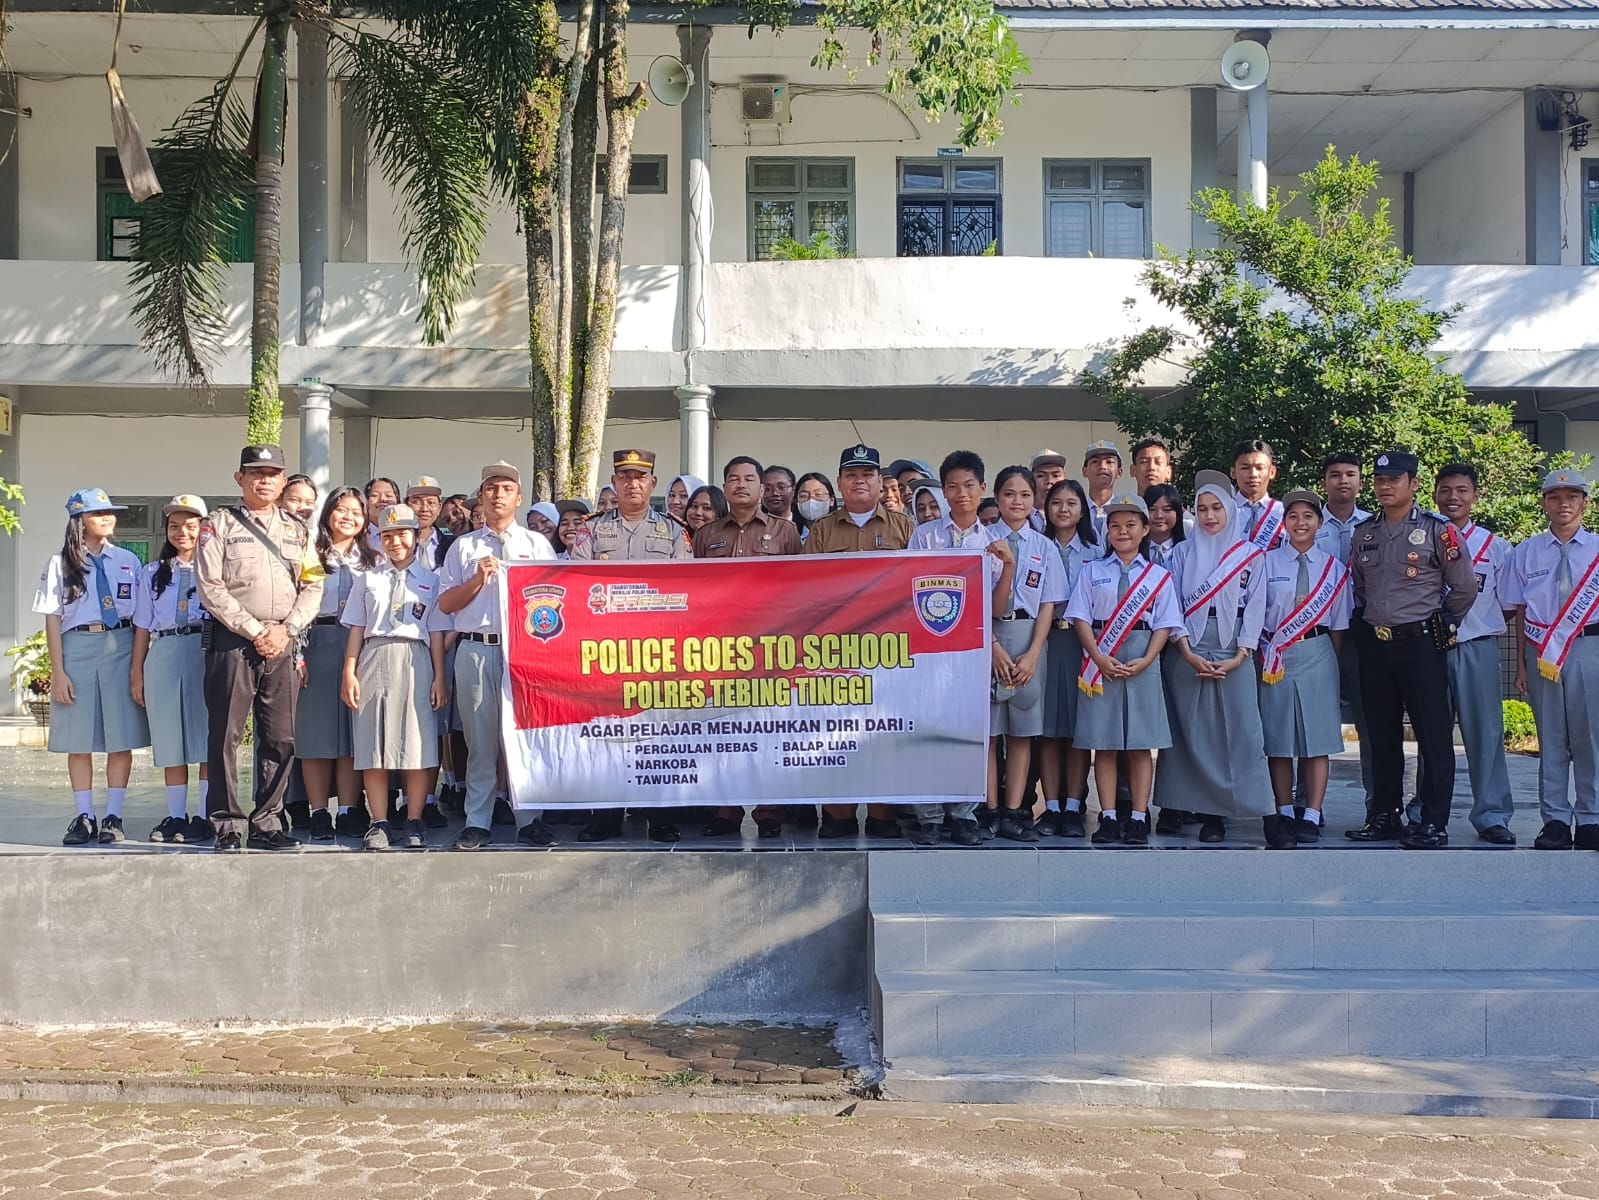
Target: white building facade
point(918, 344)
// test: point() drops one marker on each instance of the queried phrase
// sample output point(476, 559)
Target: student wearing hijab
point(1217, 761)
point(928, 504)
point(678, 495)
point(1063, 768)
point(607, 499)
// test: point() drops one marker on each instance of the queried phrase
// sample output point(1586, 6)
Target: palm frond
point(428, 145)
point(178, 271)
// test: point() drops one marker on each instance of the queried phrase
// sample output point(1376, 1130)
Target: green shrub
point(1521, 731)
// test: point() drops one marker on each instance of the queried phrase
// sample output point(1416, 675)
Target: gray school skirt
point(1130, 714)
point(1065, 659)
point(1300, 714)
point(395, 727)
point(102, 719)
point(321, 721)
point(174, 699)
point(1217, 761)
point(1022, 715)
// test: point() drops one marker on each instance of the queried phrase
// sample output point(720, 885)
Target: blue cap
point(1397, 462)
point(859, 455)
point(91, 500)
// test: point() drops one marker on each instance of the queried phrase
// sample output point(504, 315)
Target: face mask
point(812, 510)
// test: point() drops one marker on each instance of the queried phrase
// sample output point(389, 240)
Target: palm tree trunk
point(265, 407)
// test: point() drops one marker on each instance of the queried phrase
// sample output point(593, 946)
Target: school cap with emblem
point(1132, 504)
point(633, 460)
point(423, 485)
point(91, 500)
point(397, 516)
point(1099, 449)
point(860, 455)
point(262, 456)
point(1050, 458)
point(562, 507)
point(1566, 478)
point(184, 503)
point(501, 470)
point(1302, 497)
point(1213, 479)
point(1396, 462)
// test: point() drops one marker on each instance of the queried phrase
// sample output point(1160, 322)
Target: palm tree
point(439, 83)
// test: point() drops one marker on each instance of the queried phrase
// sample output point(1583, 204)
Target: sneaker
point(964, 832)
point(1587, 838)
point(199, 831)
point(722, 827)
point(230, 843)
point(503, 813)
point(452, 799)
point(433, 817)
point(1071, 823)
point(276, 840)
point(83, 830)
point(1136, 833)
point(924, 833)
point(1212, 830)
point(321, 826)
point(1281, 833)
point(1016, 825)
point(377, 836)
point(111, 832)
point(352, 822)
point(297, 814)
point(536, 833)
point(170, 830)
point(769, 829)
point(1048, 824)
point(1109, 831)
point(473, 838)
point(802, 816)
point(987, 820)
point(882, 827)
point(838, 827)
point(1555, 835)
point(415, 837)
point(664, 831)
point(605, 825)
point(1307, 832)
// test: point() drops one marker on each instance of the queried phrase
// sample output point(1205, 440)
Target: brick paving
point(617, 1054)
point(53, 1151)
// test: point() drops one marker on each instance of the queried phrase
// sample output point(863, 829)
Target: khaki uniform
point(248, 570)
point(763, 536)
point(837, 534)
point(653, 536)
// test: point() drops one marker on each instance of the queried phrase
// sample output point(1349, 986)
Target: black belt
point(1016, 616)
point(1590, 630)
point(1399, 633)
point(325, 620)
point(1099, 626)
point(488, 639)
point(177, 632)
point(99, 627)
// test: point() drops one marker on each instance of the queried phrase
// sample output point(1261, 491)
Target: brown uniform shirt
point(248, 571)
point(654, 535)
point(836, 533)
point(763, 535)
point(1401, 569)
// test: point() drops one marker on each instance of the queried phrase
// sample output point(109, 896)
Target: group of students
point(1216, 633)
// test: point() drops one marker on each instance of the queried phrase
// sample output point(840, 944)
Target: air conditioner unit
point(763, 103)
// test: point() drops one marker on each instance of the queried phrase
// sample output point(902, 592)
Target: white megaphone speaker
point(1245, 66)
point(670, 80)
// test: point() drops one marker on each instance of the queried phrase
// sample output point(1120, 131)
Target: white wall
point(1470, 200)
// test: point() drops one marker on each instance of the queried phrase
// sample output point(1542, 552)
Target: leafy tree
point(1296, 331)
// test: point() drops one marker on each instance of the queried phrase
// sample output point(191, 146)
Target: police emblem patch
point(939, 601)
point(543, 602)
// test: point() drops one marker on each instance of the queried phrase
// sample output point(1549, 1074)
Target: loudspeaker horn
point(1245, 66)
point(670, 80)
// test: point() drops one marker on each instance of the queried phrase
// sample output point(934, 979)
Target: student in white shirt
point(1062, 767)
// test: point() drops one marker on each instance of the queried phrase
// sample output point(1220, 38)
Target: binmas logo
point(939, 602)
point(543, 601)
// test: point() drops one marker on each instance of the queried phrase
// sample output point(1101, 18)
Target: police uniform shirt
point(1404, 571)
point(654, 535)
point(1533, 579)
point(1282, 587)
point(517, 544)
point(1486, 617)
point(837, 532)
point(250, 567)
point(122, 576)
point(762, 536)
point(342, 570)
point(388, 603)
point(1338, 537)
point(1097, 595)
point(176, 607)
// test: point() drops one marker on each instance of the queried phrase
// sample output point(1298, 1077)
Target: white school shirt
point(157, 613)
point(1094, 599)
point(1282, 581)
point(1161, 552)
point(1242, 596)
point(122, 569)
point(346, 569)
point(1039, 578)
point(1338, 537)
point(1249, 514)
point(392, 604)
point(516, 544)
point(1486, 617)
point(1534, 566)
point(427, 551)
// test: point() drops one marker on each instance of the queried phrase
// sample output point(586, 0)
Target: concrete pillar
point(316, 433)
point(1252, 181)
point(311, 106)
point(694, 428)
point(11, 573)
point(357, 450)
point(10, 178)
point(694, 397)
point(1202, 171)
point(1541, 154)
point(351, 246)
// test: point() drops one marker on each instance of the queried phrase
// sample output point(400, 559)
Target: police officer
point(1414, 584)
point(261, 584)
point(634, 530)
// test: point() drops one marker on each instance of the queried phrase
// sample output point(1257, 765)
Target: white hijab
point(1207, 549)
point(692, 482)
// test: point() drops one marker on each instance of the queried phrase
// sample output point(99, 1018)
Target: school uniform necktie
point(108, 598)
point(396, 600)
point(185, 585)
point(1563, 575)
point(1014, 537)
point(1302, 581)
point(1125, 584)
point(1346, 541)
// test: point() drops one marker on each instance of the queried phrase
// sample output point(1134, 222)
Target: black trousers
point(1399, 678)
point(239, 682)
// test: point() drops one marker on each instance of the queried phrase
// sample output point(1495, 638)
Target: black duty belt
point(179, 631)
point(487, 639)
point(99, 627)
point(1399, 633)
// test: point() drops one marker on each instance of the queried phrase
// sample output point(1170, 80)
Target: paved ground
point(53, 1151)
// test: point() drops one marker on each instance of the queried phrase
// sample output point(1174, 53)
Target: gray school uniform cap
point(1566, 478)
point(397, 516)
point(1302, 497)
point(1132, 504)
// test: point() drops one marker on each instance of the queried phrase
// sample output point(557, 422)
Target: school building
point(980, 283)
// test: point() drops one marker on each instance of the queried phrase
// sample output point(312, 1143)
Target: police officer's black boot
point(1381, 827)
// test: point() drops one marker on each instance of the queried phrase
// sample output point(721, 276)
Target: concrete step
point(1032, 1016)
point(1237, 937)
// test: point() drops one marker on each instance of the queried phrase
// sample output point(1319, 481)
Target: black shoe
point(1282, 833)
point(503, 813)
point(376, 836)
point(925, 833)
point(722, 827)
point(352, 822)
point(321, 826)
point(1136, 832)
point(452, 799)
point(768, 829)
point(230, 843)
point(276, 840)
point(1109, 831)
point(1048, 824)
point(1587, 837)
point(664, 831)
point(1016, 825)
point(605, 825)
point(199, 831)
point(1387, 827)
point(416, 837)
point(838, 827)
point(170, 830)
point(1555, 835)
point(473, 838)
point(1212, 830)
point(111, 832)
point(433, 817)
point(1071, 823)
point(803, 816)
point(1499, 835)
point(1426, 837)
point(987, 820)
point(297, 813)
point(1170, 822)
point(882, 827)
point(1307, 832)
point(83, 830)
point(964, 832)
point(536, 833)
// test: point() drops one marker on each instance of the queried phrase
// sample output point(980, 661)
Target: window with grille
point(646, 174)
point(799, 198)
point(1590, 211)
point(120, 216)
point(949, 207)
point(1097, 207)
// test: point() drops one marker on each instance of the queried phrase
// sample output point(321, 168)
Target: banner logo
point(938, 601)
point(544, 602)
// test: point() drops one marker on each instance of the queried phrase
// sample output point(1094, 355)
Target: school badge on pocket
point(544, 610)
point(939, 600)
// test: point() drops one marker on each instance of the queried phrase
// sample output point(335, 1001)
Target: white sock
point(1051, 805)
point(343, 808)
point(113, 801)
point(1285, 810)
point(498, 796)
point(85, 802)
point(205, 792)
point(1313, 816)
point(1138, 816)
point(432, 799)
point(448, 777)
point(1073, 805)
point(177, 800)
